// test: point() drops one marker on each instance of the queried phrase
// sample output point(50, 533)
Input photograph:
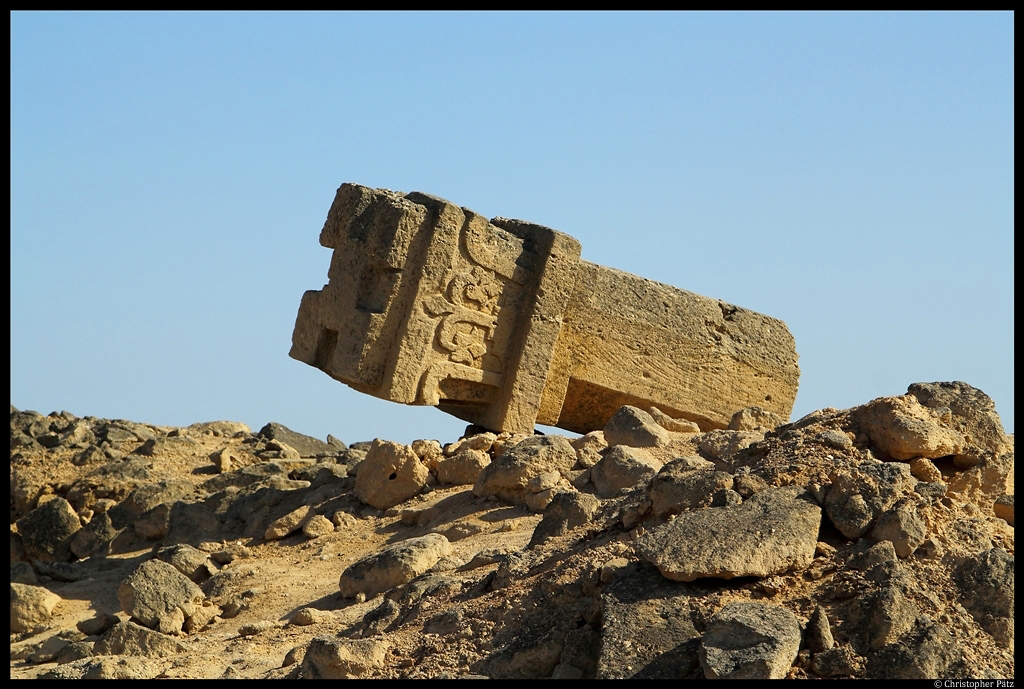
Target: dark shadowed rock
point(677, 488)
point(647, 629)
point(156, 594)
point(986, 585)
point(750, 641)
point(46, 531)
point(565, 511)
point(307, 446)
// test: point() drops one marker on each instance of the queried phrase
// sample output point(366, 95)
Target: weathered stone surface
point(973, 416)
point(393, 566)
point(480, 441)
point(678, 488)
point(306, 446)
point(903, 526)
point(46, 531)
point(621, 468)
point(128, 638)
point(31, 606)
point(293, 521)
point(159, 596)
point(589, 447)
point(670, 424)
point(192, 562)
point(647, 629)
point(754, 419)
point(986, 584)
point(772, 532)
point(924, 653)
point(97, 624)
point(750, 641)
point(634, 427)
point(860, 494)
point(819, 632)
point(390, 474)
point(317, 526)
point(463, 468)
point(108, 667)
point(565, 511)
point(1003, 507)
point(501, 324)
point(508, 475)
point(902, 428)
point(331, 658)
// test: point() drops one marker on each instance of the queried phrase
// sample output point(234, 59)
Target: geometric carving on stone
point(502, 324)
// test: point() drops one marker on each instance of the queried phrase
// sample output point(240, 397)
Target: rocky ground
point(870, 542)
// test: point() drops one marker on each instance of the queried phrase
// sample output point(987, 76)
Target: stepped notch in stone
point(501, 323)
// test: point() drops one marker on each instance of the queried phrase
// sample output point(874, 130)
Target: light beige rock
point(902, 428)
point(481, 442)
point(31, 606)
point(393, 566)
point(502, 324)
point(925, 470)
point(754, 419)
point(330, 658)
point(589, 447)
point(621, 468)
point(290, 522)
point(670, 424)
point(463, 468)
point(390, 474)
point(308, 616)
point(635, 428)
point(507, 476)
point(317, 526)
point(774, 531)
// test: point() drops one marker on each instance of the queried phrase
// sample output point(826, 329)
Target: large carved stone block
point(502, 324)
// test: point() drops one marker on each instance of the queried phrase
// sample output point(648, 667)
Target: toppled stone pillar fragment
point(502, 324)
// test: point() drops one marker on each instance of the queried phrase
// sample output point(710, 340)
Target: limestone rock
point(508, 475)
point(390, 474)
point(924, 653)
point(750, 641)
point(157, 595)
point(317, 526)
point(621, 468)
point(755, 419)
point(860, 494)
point(1003, 507)
point(331, 658)
point(463, 467)
point(97, 624)
point(588, 448)
point(128, 638)
point(973, 415)
point(308, 616)
point(192, 562)
point(648, 628)
point(722, 445)
point(393, 566)
point(903, 526)
point(677, 488)
point(986, 585)
point(565, 511)
point(481, 442)
point(307, 446)
point(671, 424)
point(634, 427)
point(819, 632)
point(46, 531)
point(772, 532)
point(31, 606)
point(902, 428)
point(290, 522)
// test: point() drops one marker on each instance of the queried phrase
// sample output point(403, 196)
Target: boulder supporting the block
point(502, 324)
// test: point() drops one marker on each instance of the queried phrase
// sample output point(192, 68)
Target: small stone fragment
point(318, 525)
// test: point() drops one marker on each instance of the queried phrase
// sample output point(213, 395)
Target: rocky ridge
point(871, 542)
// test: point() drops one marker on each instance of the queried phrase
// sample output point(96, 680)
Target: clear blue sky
point(850, 174)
